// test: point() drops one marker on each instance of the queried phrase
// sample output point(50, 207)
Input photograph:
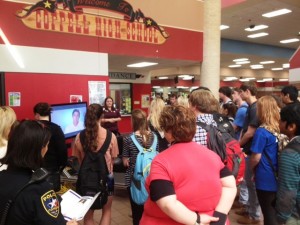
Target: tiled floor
point(121, 210)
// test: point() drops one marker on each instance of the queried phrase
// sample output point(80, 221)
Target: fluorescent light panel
point(286, 65)
point(224, 27)
point(276, 13)
point(240, 60)
point(163, 78)
point(289, 40)
point(243, 62)
point(284, 79)
point(142, 64)
point(267, 62)
point(257, 27)
point(257, 35)
point(156, 87)
point(257, 66)
point(279, 68)
point(233, 66)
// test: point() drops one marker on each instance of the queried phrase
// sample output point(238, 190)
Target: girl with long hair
point(145, 137)
point(95, 136)
point(263, 160)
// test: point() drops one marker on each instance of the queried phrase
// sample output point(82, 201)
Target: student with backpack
point(141, 139)
point(188, 183)
point(96, 149)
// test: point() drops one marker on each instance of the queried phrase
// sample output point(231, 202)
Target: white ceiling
point(238, 17)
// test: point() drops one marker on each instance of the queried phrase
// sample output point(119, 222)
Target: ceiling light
point(251, 78)
point(276, 13)
point(279, 68)
point(289, 40)
point(268, 79)
point(257, 35)
point(142, 64)
point(188, 78)
point(183, 76)
point(243, 62)
point(257, 27)
point(156, 87)
point(233, 66)
point(257, 66)
point(286, 65)
point(240, 59)
point(224, 27)
point(260, 81)
point(284, 79)
point(244, 79)
point(230, 78)
point(267, 62)
point(163, 78)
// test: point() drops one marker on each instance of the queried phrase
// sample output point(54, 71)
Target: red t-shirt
point(194, 171)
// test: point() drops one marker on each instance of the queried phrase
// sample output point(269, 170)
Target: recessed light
point(267, 62)
point(268, 79)
point(257, 35)
point(279, 68)
point(142, 64)
point(276, 13)
point(257, 27)
point(284, 79)
point(240, 59)
point(224, 27)
point(233, 66)
point(286, 65)
point(156, 87)
point(230, 78)
point(243, 62)
point(163, 78)
point(259, 81)
point(244, 79)
point(289, 40)
point(256, 66)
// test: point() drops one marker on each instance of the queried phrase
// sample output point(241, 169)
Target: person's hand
point(206, 219)
point(72, 222)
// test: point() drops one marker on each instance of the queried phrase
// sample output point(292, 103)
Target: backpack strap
point(139, 146)
point(205, 126)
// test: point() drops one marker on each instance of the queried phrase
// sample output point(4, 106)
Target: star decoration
point(149, 22)
point(47, 4)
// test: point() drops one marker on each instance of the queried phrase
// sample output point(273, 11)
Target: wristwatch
point(197, 222)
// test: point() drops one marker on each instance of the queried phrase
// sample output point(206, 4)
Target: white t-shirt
point(71, 128)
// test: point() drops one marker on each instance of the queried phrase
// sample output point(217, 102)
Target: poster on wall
point(75, 98)
point(145, 101)
point(14, 98)
point(97, 92)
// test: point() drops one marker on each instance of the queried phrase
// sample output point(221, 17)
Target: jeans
point(243, 196)
point(253, 205)
point(266, 200)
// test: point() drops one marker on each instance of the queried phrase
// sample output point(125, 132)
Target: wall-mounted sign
point(45, 15)
point(120, 75)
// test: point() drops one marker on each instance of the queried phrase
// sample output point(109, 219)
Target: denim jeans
point(243, 196)
point(253, 206)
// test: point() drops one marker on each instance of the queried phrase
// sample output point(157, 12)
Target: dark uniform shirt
point(107, 114)
point(36, 204)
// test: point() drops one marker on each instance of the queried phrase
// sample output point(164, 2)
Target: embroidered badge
point(50, 203)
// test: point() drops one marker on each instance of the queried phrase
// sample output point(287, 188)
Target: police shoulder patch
point(50, 203)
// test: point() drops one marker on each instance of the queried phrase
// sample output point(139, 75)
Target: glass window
point(121, 93)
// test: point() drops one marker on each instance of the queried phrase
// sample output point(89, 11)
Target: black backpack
point(93, 173)
point(223, 123)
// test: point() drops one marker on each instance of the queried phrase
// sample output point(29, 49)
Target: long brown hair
point(268, 113)
point(139, 123)
point(91, 122)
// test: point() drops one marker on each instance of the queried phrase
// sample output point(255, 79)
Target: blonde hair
point(183, 100)
point(7, 119)
point(156, 107)
point(268, 113)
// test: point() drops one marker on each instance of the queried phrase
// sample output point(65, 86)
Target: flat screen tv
point(70, 117)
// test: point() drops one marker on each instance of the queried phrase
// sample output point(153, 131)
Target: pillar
point(210, 69)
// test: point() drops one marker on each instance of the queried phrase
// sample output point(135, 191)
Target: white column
point(210, 69)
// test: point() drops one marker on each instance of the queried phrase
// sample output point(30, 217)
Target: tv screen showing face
point(70, 117)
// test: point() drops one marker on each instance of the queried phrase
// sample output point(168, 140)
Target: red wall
point(51, 88)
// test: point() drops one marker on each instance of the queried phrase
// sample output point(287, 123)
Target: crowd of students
point(188, 183)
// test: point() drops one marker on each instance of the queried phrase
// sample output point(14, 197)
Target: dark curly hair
point(91, 122)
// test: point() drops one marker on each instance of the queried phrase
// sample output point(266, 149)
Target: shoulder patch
point(50, 203)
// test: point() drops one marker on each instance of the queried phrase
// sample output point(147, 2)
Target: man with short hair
point(76, 124)
point(225, 93)
point(173, 99)
point(289, 94)
point(288, 194)
point(248, 93)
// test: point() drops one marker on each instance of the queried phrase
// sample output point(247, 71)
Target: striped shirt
point(131, 151)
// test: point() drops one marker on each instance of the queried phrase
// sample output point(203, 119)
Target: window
point(121, 93)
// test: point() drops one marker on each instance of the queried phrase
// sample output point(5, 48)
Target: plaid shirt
point(200, 136)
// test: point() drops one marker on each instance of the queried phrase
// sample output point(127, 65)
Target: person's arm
point(125, 153)
point(254, 160)
point(181, 214)
point(248, 135)
point(78, 150)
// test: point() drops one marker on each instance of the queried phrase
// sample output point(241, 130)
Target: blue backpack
point(142, 170)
